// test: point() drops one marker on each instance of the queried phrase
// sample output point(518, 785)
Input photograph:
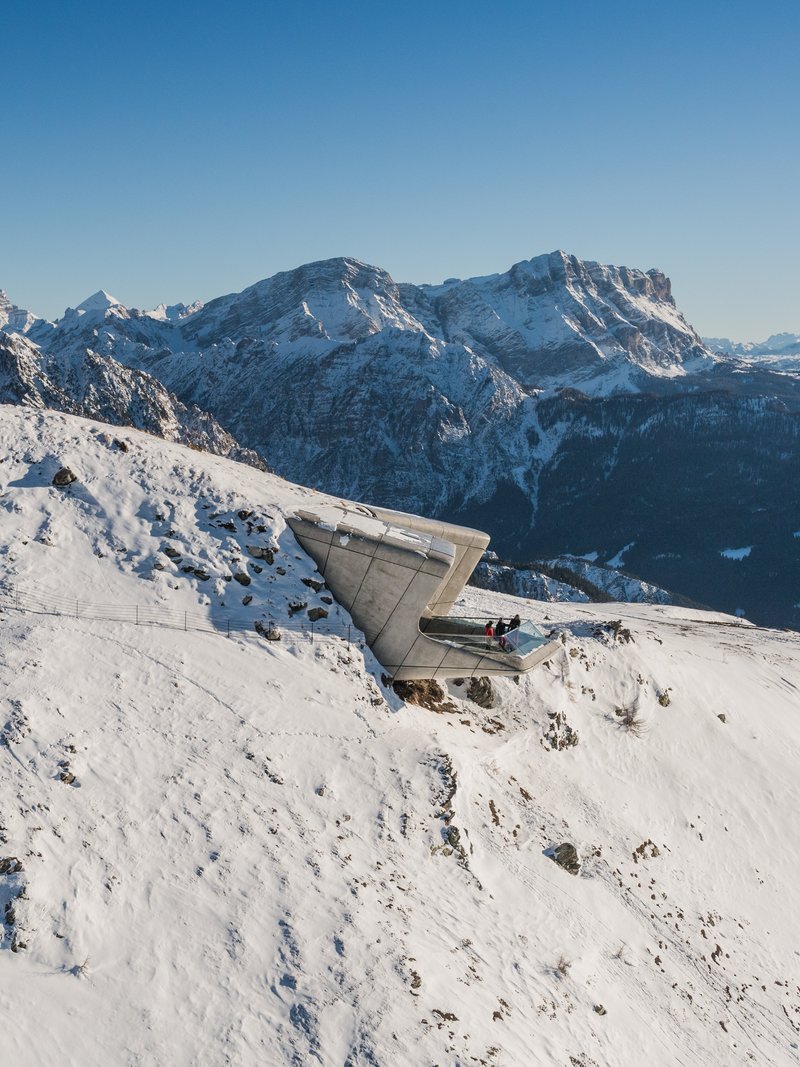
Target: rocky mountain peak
point(14, 319)
point(99, 301)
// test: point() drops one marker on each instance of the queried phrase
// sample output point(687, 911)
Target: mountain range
point(565, 406)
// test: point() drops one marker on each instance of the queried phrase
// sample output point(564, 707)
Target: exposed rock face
point(480, 692)
point(14, 319)
point(98, 387)
point(427, 694)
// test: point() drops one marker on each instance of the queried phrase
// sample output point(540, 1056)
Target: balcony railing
point(469, 634)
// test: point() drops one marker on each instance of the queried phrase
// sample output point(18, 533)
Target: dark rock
point(247, 600)
point(566, 856)
point(297, 606)
point(10, 865)
point(67, 777)
point(201, 575)
point(280, 570)
point(173, 553)
point(231, 526)
point(480, 691)
point(600, 1009)
point(425, 692)
point(315, 614)
point(256, 568)
point(64, 477)
point(244, 514)
point(242, 578)
point(722, 717)
point(452, 836)
point(326, 599)
point(312, 583)
point(122, 446)
point(261, 552)
point(267, 630)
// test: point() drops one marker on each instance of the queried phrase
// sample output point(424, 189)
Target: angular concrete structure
point(399, 576)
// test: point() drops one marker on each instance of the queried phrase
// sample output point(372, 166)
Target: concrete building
point(399, 576)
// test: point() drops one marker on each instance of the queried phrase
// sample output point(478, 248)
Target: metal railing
point(452, 628)
point(469, 632)
point(30, 601)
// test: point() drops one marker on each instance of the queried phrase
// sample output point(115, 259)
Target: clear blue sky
point(180, 150)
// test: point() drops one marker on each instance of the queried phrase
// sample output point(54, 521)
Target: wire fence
point(29, 601)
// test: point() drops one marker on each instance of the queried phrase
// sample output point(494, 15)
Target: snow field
point(256, 860)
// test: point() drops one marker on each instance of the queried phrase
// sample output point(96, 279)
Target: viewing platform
point(399, 576)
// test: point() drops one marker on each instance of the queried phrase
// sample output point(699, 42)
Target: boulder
point(480, 692)
point(242, 578)
point(64, 477)
point(267, 630)
point(315, 614)
point(260, 552)
point(426, 693)
point(566, 856)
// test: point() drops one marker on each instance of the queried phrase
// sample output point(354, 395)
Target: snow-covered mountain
point(566, 578)
point(775, 345)
point(227, 850)
point(551, 321)
point(14, 319)
point(85, 383)
point(564, 405)
point(780, 352)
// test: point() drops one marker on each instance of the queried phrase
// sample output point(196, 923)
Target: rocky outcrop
point(480, 692)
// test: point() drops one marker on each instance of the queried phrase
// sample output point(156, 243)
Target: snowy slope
point(265, 857)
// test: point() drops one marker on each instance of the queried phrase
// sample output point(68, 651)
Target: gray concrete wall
point(390, 569)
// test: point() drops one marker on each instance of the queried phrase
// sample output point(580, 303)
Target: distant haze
point(195, 148)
